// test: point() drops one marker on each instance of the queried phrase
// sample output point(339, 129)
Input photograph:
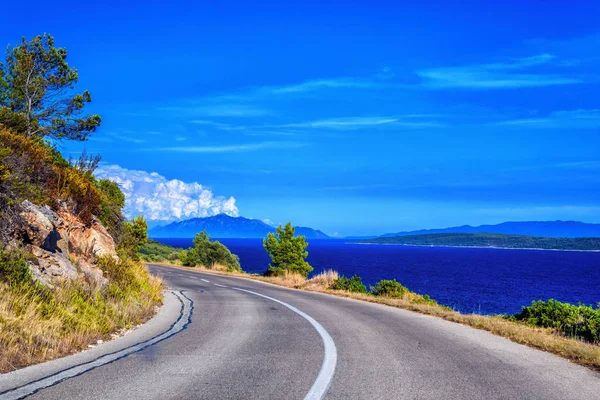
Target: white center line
point(216, 284)
point(321, 384)
point(204, 280)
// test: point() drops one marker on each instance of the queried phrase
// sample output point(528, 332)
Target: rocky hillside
point(62, 247)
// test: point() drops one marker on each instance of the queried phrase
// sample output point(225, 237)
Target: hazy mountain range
point(224, 226)
point(565, 229)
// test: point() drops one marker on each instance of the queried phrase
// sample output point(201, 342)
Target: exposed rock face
point(64, 248)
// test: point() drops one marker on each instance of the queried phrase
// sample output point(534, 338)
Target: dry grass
point(38, 324)
point(323, 280)
point(582, 353)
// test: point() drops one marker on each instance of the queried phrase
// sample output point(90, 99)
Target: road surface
point(251, 340)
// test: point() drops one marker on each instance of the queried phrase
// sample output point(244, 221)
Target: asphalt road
point(243, 345)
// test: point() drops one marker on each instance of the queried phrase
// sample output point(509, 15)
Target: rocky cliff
point(61, 246)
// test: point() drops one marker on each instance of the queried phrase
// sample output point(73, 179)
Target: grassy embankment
point(38, 323)
point(572, 332)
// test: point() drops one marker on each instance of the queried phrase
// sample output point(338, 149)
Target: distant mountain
point(224, 226)
point(490, 240)
point(557, 229)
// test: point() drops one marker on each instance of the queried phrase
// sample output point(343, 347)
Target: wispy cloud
point(317, 84)
point(515, 73)
point(125, 138)
point(217, 110)
point(218, 125)
point(237, 148)
point(362, 122)
point(582, 119)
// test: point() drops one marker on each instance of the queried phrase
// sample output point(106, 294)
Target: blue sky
point(355, 118)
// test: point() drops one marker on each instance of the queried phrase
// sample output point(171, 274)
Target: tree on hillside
point(287, 252)
point(36, 92)
point(133, 237)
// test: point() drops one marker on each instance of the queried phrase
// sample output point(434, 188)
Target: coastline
point(472, 247)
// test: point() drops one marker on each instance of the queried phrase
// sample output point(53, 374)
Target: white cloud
point(317, 84)
point(360, 122)
point(160, 199)
point(507, 75)
point(216, 110)
point(583, 119)
point(236, 148)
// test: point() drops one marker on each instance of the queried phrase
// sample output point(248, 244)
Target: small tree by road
point(288, 252)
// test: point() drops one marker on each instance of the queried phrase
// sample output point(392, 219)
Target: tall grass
point(38, 324)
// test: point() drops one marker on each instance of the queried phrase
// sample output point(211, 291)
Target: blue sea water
point(487, 281)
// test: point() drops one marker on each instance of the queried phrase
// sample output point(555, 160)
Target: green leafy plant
point(13, 268)
point(579, 321)
point(36, 98)
point(288, 252)
point(389, 288)
point(353, 284)
point(209, 253)
point(134, 236)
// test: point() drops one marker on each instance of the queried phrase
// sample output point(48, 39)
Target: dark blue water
point(470, 280)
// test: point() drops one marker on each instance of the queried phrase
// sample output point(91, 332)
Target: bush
point(154, 251)
point(578, 321)
point(353, 284)
point(134, 236)
point(208, 253)
point(288, 252)
point(389, 288)
point(425, 299)
point(13, 268)
point(33, 170)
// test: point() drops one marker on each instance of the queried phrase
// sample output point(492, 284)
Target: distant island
point(557, 229)
point(223, 226)
point(489, 240)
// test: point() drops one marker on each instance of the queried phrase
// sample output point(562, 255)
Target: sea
point(469, 280)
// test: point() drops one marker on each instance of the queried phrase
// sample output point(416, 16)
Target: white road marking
point(321, 384)
point(28, 389)
point(216, 284)
point(204, 280)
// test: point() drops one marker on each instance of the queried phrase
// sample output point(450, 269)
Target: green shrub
point(288, 252)
point(353, 284)
point(208, 252)
point(154, 251)
point(13, 268)
point(578, 321)
point(389, 288)
point(425, 299)
point(134, 236)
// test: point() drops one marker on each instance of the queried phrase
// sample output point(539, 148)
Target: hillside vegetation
point(69, 267)
point(490, 240)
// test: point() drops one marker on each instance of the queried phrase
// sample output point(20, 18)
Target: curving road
point(250, 340)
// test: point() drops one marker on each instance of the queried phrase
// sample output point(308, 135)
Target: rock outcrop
point(63, 248)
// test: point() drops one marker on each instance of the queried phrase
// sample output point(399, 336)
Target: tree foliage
point(133, 237)
point(287, 252)
point(578, 321)
point(37, 92)
point(390, 288)
point(353, 284)
point(208, 252)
